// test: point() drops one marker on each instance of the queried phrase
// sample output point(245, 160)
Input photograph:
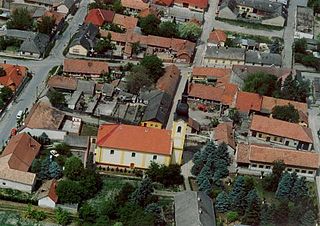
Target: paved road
point(40, 71)
point(314, 124)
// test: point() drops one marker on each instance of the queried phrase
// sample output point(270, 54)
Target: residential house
point(224, 133)
point(84, 40)
point(15, 76)
point(304, 22)
point(247, 103)
point(125, 22)
point(263, 59)
point(281, 132)
point(158, 108)
point(66, 6)
point(166, 3)
point(211, 75)
point(256, 11)
point(127, 146)
point(99, 17)
point(148, 11)
point(133, 7)
point(195, 5)
point(85, 68)
point(180, 15)
point(47, 196)
point(224, 56)
point(58, 17)
point(170, 80)
point(258, 159)
point(217, 38)
point(15, 161)
point(43, 118)
point(62, 83)
point(44, 3)
point(193, 208)
point(247, 43)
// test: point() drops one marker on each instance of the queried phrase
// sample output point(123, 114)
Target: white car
point(19, 115)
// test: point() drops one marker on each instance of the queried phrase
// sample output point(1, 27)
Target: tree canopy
point(155, 66)
point(286, 113)
point(150, 25)
point(261, 83)
point(138, 78)
point(168, 29)
point(46, 24)
point(73, 168)
point(20, 19)
point(190, 31)
point(56, 98)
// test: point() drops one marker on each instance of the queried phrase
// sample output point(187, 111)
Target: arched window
point(179, 129)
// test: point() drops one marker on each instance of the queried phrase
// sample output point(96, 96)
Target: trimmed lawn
point(89, 130)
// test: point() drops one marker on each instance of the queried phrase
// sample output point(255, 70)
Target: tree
point(63, 149)
point(232, 216)
point(132, 215)
point(44, 171)
point(286, 113)
point(190, 31)
point(87, 213)
point(205, 185)
point(198, 163)
point(155, 66)
point(234, 115)
point(150, 25)
point(46, 24)
point(168, 29)
point(266, 215)
point(142, 193)
point(108, 209)
point(252, 213)
point(20, 19)
point(62, 216)
point(136, 48)
point(261, 83)
point(295, 89)
point(300, 45)
point(285, 185)
point(270, 182)
point(222, 202)
point(308, 218)
point(238, 195)
point(5, 93)
point(155, 210)
point(55, 170)
point(299, 190)
point(104, 44)
point(73, 168)
point(203, 179)
point(221, 169)
point(69, 191)
point(90, 183)
point(117, 6)
point(137, 79)
point(166, 175)
point(36, 166)
point(56, 98)
point(124, 194)
point(280, 213)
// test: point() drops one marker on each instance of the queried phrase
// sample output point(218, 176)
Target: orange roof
point(205, 92)
point(52, 191)
point(281, 128)
point(99, 17)
point(127, 22)
point(148, 11)
point(58, 17)
point(85, 66)
point(134, 4)
point(135, 138)
point(170, 80)
point(210, 72)
point(268, 103)
point(62, 82)
point(229, 94)
point(14, 76)
point(202, 4)
point(23, 150)
point(248, 101)
point(164, 2)
point(260, 153)
point(224, 133)
point(217, 36)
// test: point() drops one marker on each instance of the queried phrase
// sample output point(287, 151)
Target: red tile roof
point(148, 11)
point(268, 103)
point(127, 22)
point(134, 4)
point(23, 150)
point(229, 94)
point(247, 102)
point(164, 2)
point(14, 76)
point(205, 92)
point(281, 128)
point(217, 36)
point(202, 4)
point(99, 17)
point(264, 154)
point(85, 66)
point(224, 133)
point(62, 82)
point(170, 80)
point(52, 191)
point(135, 138)
point(210, 72)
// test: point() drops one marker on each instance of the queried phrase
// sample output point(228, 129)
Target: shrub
point(232, 216)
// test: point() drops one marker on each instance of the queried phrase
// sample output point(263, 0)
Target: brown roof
point(48, 189)
point(134, 4)
point(193, 124)
point(205, 92)
point(128, 22)
point(260, 153)
point(62, 82)
point(148, 11)
point(247, 102)
point(58, 17)
point(14, 76)
point(85, 66)
point(210, 72)
point(164, 2)
point(224, 133)
point(43, 116)
point(135, 138)
point(22, 149)
point(217, 36)
point(170, 80)
point(281, 128)
point(229, 94)
point(202, 4)
point(268, 103)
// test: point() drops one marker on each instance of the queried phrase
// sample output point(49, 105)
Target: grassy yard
point(89, 130)
point(12, 48)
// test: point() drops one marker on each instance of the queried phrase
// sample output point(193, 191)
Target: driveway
point(40, 71)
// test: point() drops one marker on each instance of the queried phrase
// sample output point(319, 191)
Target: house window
point(155, 157)
point(289, 169)
point(3, 183)
point(297, 170)
point(260, 166)
point(268, 167)
point(179, 129)
point(260, 135)
point(133, 154)
point(111, 152)
point(268, 138)
point(281, 139)
point(287, 143)
point(303, 171)
point(254, 165)
point(310, 172)
point(275, 138)
point(254, 134)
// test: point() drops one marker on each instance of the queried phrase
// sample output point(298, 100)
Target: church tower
point(179, 128)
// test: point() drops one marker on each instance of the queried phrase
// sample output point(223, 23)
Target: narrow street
point(314, 125)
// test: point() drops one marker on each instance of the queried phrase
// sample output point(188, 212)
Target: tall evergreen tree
point(205, 186)
point(238, 195)
point(253, 211)
point(222, 202)
point(308, 219)
point(142, 193)
point(266, 215)
point(55, 170)
point(280, 213)
point(299, 191)
point(284, 187)
point(44, 172)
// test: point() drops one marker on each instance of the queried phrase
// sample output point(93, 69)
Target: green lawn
point(12, 48)
point(89, 130)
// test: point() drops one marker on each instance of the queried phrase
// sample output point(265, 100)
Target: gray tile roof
point(108, 89)
point(35, 43)
point(194, 209)
point(76, 141)
point(158, 108)
point(256, 57)
point(87, 87)
point(18, 34)
point(225, 53)
point(85, 36)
